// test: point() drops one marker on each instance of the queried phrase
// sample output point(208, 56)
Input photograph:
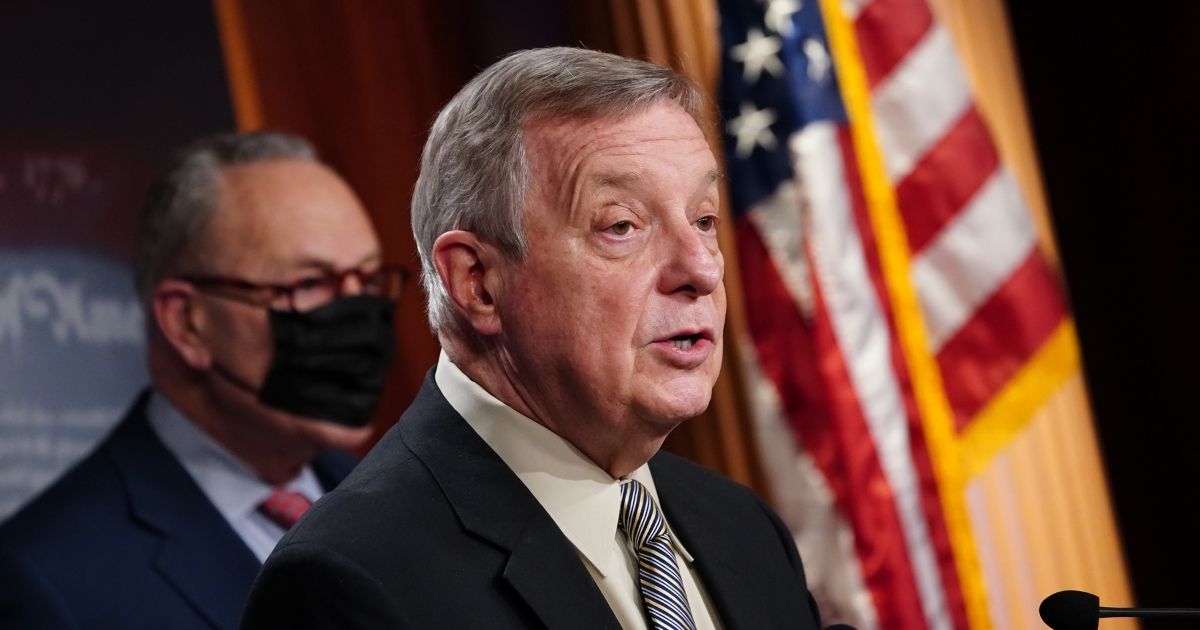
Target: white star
point(779, 15)
point(752, 128)
point(818, 60)
point(756, 54)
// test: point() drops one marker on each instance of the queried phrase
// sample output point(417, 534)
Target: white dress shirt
point(582, 498)
point(228, 483)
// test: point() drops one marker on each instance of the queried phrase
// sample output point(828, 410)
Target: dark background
point(117, 84)
point(1113, 96)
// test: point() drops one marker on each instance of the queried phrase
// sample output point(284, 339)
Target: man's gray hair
point(474, 171)
point(181, 200)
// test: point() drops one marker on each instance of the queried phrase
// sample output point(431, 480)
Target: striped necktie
point(663, 597)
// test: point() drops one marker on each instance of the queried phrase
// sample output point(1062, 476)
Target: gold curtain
point(1041, 508)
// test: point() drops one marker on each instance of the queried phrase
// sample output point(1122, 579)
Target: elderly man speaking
point(566, 217)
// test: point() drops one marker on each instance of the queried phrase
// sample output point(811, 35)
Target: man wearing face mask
point(269, 336)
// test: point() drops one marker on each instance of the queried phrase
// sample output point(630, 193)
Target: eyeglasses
point(308, 293)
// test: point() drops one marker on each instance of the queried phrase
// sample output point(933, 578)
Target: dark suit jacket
point(126, 539)
point(433, 530)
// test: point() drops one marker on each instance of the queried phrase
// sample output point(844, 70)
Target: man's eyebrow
point(624, 179)
point(308, 262)
point(627, 179)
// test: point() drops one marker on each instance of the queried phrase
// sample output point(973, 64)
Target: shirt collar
point(229, 483)
point(581, 498)
point(642, 475)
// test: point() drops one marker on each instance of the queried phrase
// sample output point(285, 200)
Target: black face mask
point(331, 363)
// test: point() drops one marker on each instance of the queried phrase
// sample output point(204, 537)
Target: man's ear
point(469, 271)
point(174, 305)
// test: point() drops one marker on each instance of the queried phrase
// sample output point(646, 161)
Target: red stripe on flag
point(1001, 336)
point(783, 341)
point(869, 503)
point(931, 502)
point(887, 30)
point(945, 179)
point(808, 371)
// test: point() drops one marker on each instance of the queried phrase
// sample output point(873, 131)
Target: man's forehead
point(663, 120)
point(276, 177)
point(287, 213)
point(610, 152)
point(634, 178)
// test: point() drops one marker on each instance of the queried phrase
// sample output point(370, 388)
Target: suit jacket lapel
point(492, 503)
point(706, 532)
point(545, 569)
point(200, 555)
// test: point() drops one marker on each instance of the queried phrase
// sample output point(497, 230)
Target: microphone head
point(1071, 610)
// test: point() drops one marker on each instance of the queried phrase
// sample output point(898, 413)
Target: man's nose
point(352, 283)
point(694, 264)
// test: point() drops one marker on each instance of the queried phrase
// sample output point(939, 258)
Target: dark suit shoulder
point(390, 491)
point(125, 539)
point(377, 552)
point(380, 490)
point(90, 490)
point(41, 545)
point(733, 532)
point(92, 485)
point(679, 472)
point(429, 506)
point(303, 573)
point(700, 490)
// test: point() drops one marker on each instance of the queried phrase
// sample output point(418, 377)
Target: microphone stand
point(1148, 613)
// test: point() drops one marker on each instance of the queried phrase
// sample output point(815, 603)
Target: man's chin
point(327, 435)
point(679, 405)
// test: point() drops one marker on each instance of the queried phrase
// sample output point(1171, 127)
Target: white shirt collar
point(229, 484)
point(581, 498)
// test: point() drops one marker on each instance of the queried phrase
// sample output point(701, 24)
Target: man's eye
point(707, 224)
point(621, 228)
point(307, 284)
point(373, 278)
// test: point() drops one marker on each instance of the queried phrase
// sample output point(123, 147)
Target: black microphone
point(840, 626)
point(1077, 610)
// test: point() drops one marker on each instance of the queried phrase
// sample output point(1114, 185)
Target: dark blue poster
point(95, 96)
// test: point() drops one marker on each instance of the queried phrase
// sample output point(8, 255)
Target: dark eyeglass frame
point(391, 280)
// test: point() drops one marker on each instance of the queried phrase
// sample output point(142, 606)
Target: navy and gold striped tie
point(663, 597)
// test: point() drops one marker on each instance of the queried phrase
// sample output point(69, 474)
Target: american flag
point(901, 318)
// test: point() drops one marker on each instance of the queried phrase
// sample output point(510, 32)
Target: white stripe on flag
point(971, 257)
point(780, 224)
point(918, 103)
point(862, 335)
point(851, 8)
point(807, 506)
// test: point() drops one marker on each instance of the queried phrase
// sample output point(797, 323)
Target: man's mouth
point(687, 348)
point(685, 342)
